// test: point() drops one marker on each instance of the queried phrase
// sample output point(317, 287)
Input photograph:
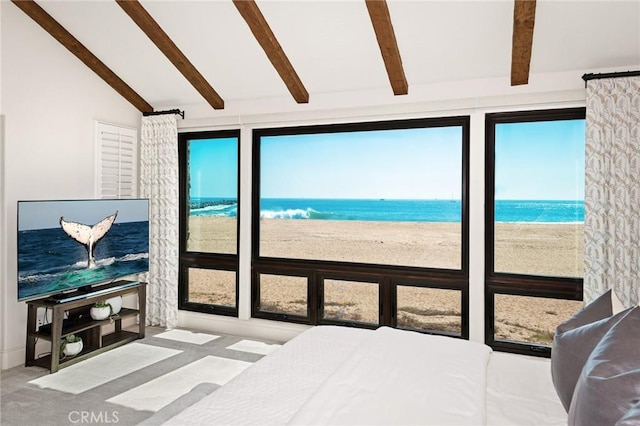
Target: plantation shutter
point(117, 161)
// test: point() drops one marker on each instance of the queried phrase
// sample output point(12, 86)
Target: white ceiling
point(333, 48)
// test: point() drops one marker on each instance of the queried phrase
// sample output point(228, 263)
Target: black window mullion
point(501, 283)
point(190, 259)
point(385, 275)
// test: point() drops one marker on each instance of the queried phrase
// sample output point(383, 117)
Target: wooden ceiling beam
point(267, 40)
point(524, 17)
point(381, 20)
point(57, 31)
point(150, 27)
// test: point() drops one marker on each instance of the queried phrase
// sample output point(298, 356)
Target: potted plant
point(100, 310)
point(71, 345)
point(116, 304)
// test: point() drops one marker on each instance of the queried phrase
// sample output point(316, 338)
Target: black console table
point(80, 323)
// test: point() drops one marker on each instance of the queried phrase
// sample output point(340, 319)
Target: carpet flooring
point(144, 382)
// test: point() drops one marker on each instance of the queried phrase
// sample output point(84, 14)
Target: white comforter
point(271, 391)
point(398, 377)
point(339, 375)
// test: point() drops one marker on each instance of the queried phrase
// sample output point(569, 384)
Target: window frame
point(384, 308)
point(385, 275)
point(436, 285)
point(203, 260)
point(565, 288)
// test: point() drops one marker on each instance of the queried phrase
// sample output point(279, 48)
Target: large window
point(343, 214)
point(534, 225)
point(378, 196)
point(209, 221)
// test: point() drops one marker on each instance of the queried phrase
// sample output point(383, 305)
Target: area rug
point(148, 380)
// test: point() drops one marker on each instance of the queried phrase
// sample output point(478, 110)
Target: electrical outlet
point(42, 318)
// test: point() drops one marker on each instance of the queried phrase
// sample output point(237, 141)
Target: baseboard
point(13, 357)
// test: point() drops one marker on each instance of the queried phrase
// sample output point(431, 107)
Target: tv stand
point(84, 292)
point(79, 322)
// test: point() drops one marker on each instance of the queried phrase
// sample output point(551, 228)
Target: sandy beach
point(546, 249)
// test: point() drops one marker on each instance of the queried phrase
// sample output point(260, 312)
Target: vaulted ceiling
point(159, 54)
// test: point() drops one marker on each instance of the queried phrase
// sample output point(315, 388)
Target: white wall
point(2, 221)
point(49, 102)
point(3, 227)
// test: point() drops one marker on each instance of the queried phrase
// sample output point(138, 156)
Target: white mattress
point(403, 378)
point(272, 390)
point(320, 377)
point(520, 392)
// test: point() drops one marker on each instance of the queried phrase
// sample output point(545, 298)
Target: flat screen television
point(80, 244)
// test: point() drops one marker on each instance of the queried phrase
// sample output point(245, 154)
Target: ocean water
point(220, 207)
point(50, 261)
point(521, 211)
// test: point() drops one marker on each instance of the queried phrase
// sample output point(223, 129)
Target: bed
point(346, 376)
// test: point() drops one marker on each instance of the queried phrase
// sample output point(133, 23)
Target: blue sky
point(534, 161)
point(540, 160)
point(46, 214)
point(390, 164)
point(214, 167)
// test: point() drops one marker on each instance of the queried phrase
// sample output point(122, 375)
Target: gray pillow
point(594, 311)
point(609, 384)
point(573, 342)
point(631, 417)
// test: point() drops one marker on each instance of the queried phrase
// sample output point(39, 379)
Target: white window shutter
point(116, 161)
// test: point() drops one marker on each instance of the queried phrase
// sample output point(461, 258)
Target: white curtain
point(159, 183)
point(612, 191)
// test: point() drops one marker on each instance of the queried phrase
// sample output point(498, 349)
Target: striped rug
point(148, 380)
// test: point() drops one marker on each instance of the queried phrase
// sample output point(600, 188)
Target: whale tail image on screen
point(87, 235)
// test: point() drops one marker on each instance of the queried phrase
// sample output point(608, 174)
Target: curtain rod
point(592, 76)
point(169, 111)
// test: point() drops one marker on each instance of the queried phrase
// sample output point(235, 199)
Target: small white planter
point(72, 349)
point(116, 303)
point(100, 313)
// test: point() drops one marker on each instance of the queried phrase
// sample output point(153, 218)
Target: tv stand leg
point(142, 308)
point(32, 315)
point(56, 336)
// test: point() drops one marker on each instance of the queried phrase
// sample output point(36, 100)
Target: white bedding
point(273, 389)
point(339, 375)
point(399, 377)
point(520, 392)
